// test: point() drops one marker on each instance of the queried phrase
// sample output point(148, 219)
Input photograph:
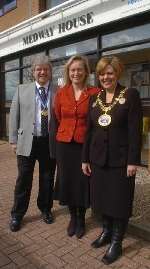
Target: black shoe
point(15, 224)
point(80, 230)
point(113, 253)
point(102, 240)
point(47, 217)
point(71, 229)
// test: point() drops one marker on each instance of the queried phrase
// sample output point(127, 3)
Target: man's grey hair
point(41, 59)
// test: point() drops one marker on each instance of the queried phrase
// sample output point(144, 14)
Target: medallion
point(44, 113)
point(104, 120)
point(122, 100)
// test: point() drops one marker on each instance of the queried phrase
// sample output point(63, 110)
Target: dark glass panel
point(11, 64)
point(72, 49)
point(9, 4)
point(11, 84)
point(126, 36)
point(53, 3)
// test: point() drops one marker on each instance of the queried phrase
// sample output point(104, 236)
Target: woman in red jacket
point(71, 107)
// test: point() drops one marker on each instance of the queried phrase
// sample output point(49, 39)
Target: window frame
point(3, 5)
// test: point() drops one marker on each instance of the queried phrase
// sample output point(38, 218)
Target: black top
point(119, 143)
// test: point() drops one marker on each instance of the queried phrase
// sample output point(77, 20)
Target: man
point(28, 135)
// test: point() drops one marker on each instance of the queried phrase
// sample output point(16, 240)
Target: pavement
point(39, 245)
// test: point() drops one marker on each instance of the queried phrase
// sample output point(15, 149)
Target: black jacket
point(118, 144)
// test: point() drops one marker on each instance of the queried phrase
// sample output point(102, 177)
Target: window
point(7, 5)
point(58, 73)
point(137, 71)
point(126, 36)
point(11, 65)
point(27, 60)
point(11, 79)
point(53, 3)
point(146, 142)
point(11, 84)
point(88, 45)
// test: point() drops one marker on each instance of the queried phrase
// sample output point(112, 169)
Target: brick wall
point(25, 9)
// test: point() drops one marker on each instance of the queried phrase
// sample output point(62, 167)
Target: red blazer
point(71, 114)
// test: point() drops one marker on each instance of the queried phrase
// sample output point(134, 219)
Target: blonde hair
point(114, 61)
point(84, 60)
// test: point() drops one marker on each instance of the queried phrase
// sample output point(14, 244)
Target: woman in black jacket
point(111, 154)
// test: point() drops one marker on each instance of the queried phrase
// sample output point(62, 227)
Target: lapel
point(117, 91)
point(70, 94)
point(31, 94)
point(31, 97)
point(84, 95)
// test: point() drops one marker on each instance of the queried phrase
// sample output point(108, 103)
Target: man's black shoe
point(47, 217)
point(15, 224)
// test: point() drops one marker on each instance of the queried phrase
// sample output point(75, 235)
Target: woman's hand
point(86, 169)
point(131, 170)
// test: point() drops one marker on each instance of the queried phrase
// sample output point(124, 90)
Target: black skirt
point(112, 192)
point(72, 186)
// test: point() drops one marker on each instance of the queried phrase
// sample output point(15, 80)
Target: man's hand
point(131, 170)
point(14, 147)
point(86, 169)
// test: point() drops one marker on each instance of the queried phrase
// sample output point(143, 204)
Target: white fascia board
point(49, 26)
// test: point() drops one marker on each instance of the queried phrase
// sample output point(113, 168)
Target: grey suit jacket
point(22, 118)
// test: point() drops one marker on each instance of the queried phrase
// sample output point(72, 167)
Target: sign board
point(75, 18)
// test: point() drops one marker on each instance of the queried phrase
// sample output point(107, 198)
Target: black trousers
point(39, 152)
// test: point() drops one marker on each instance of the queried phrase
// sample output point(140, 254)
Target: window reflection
point(7, 5)
point(127, 49)
point(27, 60)
point(11, 83)
point(58, 74)
point(146, 142)
point(11, 64)
point(126, 36)
point(1, 12)
point(69, 50)
point(92, 63)
point(138, 76)
point(27, 75)
point(137, 71)
point(53, 3)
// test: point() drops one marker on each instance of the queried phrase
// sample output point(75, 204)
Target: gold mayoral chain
point(105, 119)
point(44, 112)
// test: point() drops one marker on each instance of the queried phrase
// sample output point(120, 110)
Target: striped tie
point(44, 112)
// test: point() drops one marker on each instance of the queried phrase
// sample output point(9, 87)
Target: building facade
point(91, 27)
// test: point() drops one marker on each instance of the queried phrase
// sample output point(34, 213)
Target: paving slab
point(41, 246)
